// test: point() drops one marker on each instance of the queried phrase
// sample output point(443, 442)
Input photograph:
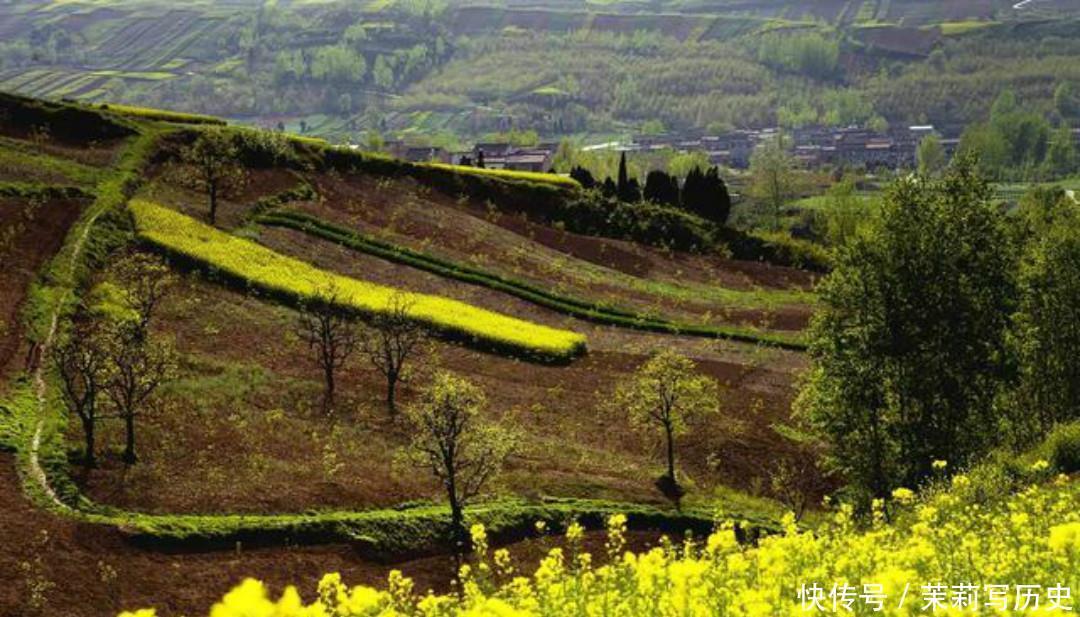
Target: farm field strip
point(253, 264)
point(569, 305)
point(531, 176)
point(32, 163)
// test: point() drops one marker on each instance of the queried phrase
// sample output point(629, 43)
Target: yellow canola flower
point(904, 495)
point(1064, 538)
point(1029, 538)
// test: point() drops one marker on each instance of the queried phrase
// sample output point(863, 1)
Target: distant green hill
point(341, 68)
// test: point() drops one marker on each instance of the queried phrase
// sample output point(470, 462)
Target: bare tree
point(144, 280)
point(797, 481)
point(212, 165)
point(331, 334)
point(81, 363)
point(137, 368)
point(390, 341)
point(451, 440)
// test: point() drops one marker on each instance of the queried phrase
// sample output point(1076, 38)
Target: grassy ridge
point(147, 113)
point(293, 279)
point(403, 531)
point(569, 305)
point(18, 162)
point(35, 190)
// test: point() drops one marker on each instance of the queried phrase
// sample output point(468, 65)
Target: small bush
point(594, 214)
point(1062, 448)
point(776, 248)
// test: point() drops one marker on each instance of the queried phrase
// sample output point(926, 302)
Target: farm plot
point(250, 264)
point(247, 404)
point(693, 288)
point(25, 165)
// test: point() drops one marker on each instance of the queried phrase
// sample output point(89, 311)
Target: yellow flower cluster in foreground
point(270, 270)
point(946, 542)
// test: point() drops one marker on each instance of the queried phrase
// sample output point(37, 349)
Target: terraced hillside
point(239, 468)
point(433, 73)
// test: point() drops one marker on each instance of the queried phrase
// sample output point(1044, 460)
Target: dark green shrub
point(1062, 448)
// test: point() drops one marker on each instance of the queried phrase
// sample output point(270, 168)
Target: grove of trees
point(944, 331)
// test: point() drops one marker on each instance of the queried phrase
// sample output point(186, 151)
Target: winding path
point(37, 473)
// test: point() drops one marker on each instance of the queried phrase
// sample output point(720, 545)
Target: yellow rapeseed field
point(267, 269)
point(948, 555)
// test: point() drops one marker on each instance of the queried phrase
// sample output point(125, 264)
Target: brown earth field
point(89, 570)
point(30, 232)
point(703, 289)
point(242, 431)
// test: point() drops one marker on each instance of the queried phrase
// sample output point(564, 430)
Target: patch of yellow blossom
point(1031, 539)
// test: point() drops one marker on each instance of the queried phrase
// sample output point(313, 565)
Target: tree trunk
point(670, 453)
point(328, 395)
point(129, 449)
point(213, 203)
point(459, 536)
point(391, 392)
point(89, 460)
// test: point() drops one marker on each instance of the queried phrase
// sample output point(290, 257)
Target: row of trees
point(451, 439)
point(110, 365)
point(703, 193)
point(946, 329)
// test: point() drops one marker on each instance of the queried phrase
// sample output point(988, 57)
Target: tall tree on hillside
point(608, 188)
point(633, 192)
point(82, 363)
point(694, 192)
point(1047, 323)
point(331, 334)
point(624, 177)
point(583, 176)
point(772, 177)
point(663, 394)
point(909, 345)
point(453, 441)
point(720, 199)
point(1061, 157)
point(843, 213)
point(213, 165)
point(930, 156)
point(390, 341)
point(626, 189)
point(705, 194)
point(661, 188)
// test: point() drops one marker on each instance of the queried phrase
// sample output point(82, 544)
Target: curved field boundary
point(575, 307)
point(253, 265)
